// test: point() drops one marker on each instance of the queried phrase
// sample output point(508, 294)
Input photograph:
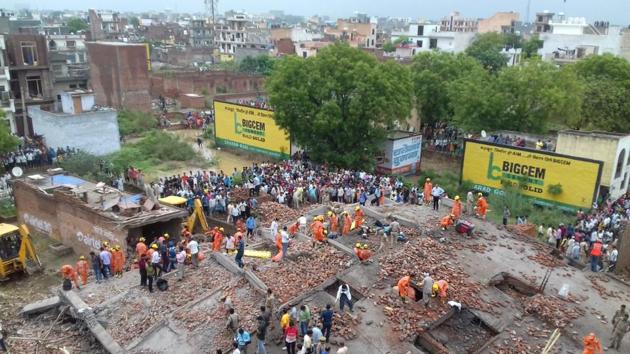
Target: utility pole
point(529, 4)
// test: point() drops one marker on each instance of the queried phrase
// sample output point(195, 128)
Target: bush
point(7, 208)
point(86, 165)
point(156, 147)
point(131, 122)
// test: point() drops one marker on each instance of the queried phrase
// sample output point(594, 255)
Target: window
point(52, 45)
point(620, 160)
point(373, 31)
point(433, 43)
point(420, 30)
point(34, 84)
point(419, 43)
point(304, 54)
point(71, 44)
point(57, 70)
point(29, 53)
point(80, 57)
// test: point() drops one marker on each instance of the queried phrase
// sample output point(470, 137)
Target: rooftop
point(131, 210)
point(594, 134)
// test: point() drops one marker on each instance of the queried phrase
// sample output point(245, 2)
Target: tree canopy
point(8, 142)
point(606, 105)
point(338, 104)
point(433, 73)
point(76, 24)
point(486, 48)
point(262, 65)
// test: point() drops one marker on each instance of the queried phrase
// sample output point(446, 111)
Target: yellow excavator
point(17, 253)
point(197, 214)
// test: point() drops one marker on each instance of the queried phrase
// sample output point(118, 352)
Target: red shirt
point(290, 334)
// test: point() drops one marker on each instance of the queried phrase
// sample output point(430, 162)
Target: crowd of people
point(31, 155)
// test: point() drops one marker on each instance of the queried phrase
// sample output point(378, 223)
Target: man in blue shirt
point(251, 224)
point(327, 321)
point(242, 339)
point(240, 251)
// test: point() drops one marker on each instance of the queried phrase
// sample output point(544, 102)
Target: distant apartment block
point(201, 34)
point(30, 76)
point(238, 32)
point(119, 73)
point(7, 103)
point(68, 62)
point(356, 33)
point(422, 37)
point(454, 22)
point(105, 25)
point(501, 22)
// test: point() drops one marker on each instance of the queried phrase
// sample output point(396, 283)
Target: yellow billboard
point(251, 129)
point(553, 179)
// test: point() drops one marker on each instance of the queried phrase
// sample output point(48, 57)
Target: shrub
point(132, 122)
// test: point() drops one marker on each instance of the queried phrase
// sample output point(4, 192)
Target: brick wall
point(119, 75)
point(213, 83)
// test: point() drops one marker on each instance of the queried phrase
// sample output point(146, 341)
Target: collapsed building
point(82, 215)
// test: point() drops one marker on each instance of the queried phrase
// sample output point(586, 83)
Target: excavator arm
point(27, 252)
point(197, 214)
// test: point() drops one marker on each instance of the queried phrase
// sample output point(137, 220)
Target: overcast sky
point(615, 11)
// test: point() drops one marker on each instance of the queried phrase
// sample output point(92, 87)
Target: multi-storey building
point(68, 62)
point(105, 25)
point(7, 104)
point(358, 34)
point(238, 32)
point(454, 22)
point(201, 34)
point(30, 76)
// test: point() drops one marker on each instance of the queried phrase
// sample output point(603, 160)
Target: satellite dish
point(483, 134)
point(17, 171)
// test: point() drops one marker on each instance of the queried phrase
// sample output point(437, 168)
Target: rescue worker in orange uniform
point(362, 252)
point(217, 241)
point(82, 269)
point(482, 206)
point(334, 222)
point(151, 250)
point(293, 229)
point(318, 231)
point(358, 217)
point(141, 247)
point(347, 222)
point(446, 221)
point(404, 284)
point(186, 234)
point(278, 241)
point(457, 208)
point(68, 273)
point(592, 345)
point(118, 261)
point(439, 289)
point(428, 187)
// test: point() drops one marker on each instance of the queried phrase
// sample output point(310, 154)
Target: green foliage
point(132, 122)
point(606, 90)
point(135, 22)
point(402, 40)
point(76, 24)
point(209, 133)
point(337, 104)
point(261, 65)
point(87, 166)
point(389, 47)
point(8, 142)
point(530, 47)
point(486, 48)
point(432, 74)
point(7, 208)
point(521, 98)
point(227, 66)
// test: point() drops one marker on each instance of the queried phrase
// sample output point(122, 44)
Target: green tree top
point(8, 142)
point(262, 65)
point(337, 105)
point(134, 21)
point(76, 24)
point(486, 48)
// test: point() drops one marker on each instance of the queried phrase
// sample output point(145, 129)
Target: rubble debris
point(552, 310)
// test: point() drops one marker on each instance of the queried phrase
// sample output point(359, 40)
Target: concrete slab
point(86, 314)
point(41, 306)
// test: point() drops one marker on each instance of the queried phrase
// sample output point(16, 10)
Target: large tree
point(76, 24)
point(528, 98)
point(261, 64)
point(486, 48)
point(8, 142)
point(607, 88)
point(338, 104)
point(432, 73)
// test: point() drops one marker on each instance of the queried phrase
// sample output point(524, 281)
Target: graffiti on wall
point(37, 223)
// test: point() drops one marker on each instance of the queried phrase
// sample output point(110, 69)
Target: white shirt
point(342, 350)
point(274, 228)
point(341, 291)
point(194, 247)
point(285, 236)
point(302, 220)
point(155, 257)
point(613, 255)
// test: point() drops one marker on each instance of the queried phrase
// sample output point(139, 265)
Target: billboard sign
point(250, 128)
point(552, 179)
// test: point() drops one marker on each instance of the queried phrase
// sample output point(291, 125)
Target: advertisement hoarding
point(401, 156)
point(552, 179)
point(250, 128)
